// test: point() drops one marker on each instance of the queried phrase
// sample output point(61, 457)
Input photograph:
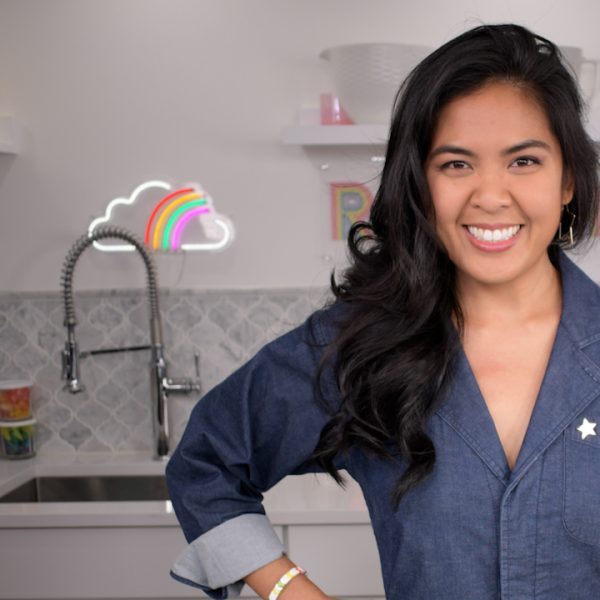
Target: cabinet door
point(88, 562)
point(341, 559)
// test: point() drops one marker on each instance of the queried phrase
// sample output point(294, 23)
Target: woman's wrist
point(285, 580)
point(264, 580)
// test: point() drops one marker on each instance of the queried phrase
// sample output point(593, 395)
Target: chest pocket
point(581, 507)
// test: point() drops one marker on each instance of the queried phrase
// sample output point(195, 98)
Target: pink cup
point(331, 111)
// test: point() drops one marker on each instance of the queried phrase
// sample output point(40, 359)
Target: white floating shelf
point(10, 135)
point(336, 135)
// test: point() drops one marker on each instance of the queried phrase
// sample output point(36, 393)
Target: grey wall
point(114, 92)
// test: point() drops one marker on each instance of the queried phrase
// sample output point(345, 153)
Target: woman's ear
point(568, 187)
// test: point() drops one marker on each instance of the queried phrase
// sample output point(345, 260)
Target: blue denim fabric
point(474, 529)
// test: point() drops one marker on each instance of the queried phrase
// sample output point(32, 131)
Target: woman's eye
point(526, 161)
point(455, 165)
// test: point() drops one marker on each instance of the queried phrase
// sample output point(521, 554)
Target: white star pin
point(587, 428)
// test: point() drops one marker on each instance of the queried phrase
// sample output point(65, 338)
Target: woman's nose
point(490, 192)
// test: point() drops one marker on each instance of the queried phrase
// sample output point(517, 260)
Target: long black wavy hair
point(396, 342)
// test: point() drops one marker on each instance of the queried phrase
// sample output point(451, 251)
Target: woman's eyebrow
point(449, 149)
point(525, 145)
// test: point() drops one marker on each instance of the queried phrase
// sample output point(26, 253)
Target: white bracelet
point(278, 588)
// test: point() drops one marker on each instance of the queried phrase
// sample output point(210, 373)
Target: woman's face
point(495, 173)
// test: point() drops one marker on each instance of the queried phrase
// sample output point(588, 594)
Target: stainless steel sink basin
point(111, 488)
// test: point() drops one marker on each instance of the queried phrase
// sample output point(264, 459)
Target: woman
point(458, 369)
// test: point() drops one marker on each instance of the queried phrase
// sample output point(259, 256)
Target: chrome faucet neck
point(71, 356)
point(104, 232)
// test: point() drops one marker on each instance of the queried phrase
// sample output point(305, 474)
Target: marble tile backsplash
point(113, 413)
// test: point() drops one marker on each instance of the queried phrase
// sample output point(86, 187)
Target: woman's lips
point(485, 238)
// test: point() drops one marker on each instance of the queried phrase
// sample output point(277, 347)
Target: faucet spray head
point(70, 368)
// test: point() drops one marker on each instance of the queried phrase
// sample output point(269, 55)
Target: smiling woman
point(456, 376)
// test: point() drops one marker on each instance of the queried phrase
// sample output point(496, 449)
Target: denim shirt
point(473, 530)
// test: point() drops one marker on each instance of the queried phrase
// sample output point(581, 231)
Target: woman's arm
point(300, 588)
point(258, 426)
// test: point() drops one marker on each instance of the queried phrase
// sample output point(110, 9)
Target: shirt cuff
point(219, 559)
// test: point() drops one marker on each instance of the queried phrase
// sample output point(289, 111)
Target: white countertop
point(304, 499)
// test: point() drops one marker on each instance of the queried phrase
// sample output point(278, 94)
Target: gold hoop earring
point(567, 237)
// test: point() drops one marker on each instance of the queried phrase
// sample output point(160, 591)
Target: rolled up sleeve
point(227, 553)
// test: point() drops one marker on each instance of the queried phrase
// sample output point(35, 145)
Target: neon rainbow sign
point(170, 217)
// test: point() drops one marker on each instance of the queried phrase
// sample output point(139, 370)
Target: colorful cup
point(15, 401)
point(17, 439)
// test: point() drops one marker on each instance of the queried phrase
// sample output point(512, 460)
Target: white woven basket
point(366, 77)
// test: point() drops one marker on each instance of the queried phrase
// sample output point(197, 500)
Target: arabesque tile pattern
point(113, 413)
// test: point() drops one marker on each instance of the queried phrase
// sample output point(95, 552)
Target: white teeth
point(493, 235)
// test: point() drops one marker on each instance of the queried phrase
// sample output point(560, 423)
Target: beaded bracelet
point(285, 579)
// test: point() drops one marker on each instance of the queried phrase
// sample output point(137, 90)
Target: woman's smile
point(493, 238)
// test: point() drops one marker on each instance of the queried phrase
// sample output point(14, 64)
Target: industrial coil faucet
point(160, 384)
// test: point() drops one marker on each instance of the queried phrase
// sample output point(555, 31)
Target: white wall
point(113, 92)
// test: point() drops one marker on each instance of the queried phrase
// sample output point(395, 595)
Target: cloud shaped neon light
point(169, 218)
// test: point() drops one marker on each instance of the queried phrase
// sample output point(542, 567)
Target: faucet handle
point(184, 386)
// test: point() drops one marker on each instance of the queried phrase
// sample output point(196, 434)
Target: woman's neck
point(526, 300)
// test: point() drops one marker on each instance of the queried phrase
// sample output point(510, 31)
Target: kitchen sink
point(112, 488)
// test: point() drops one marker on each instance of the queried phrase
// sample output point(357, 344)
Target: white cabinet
point(90, 562)
point(80, 563)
